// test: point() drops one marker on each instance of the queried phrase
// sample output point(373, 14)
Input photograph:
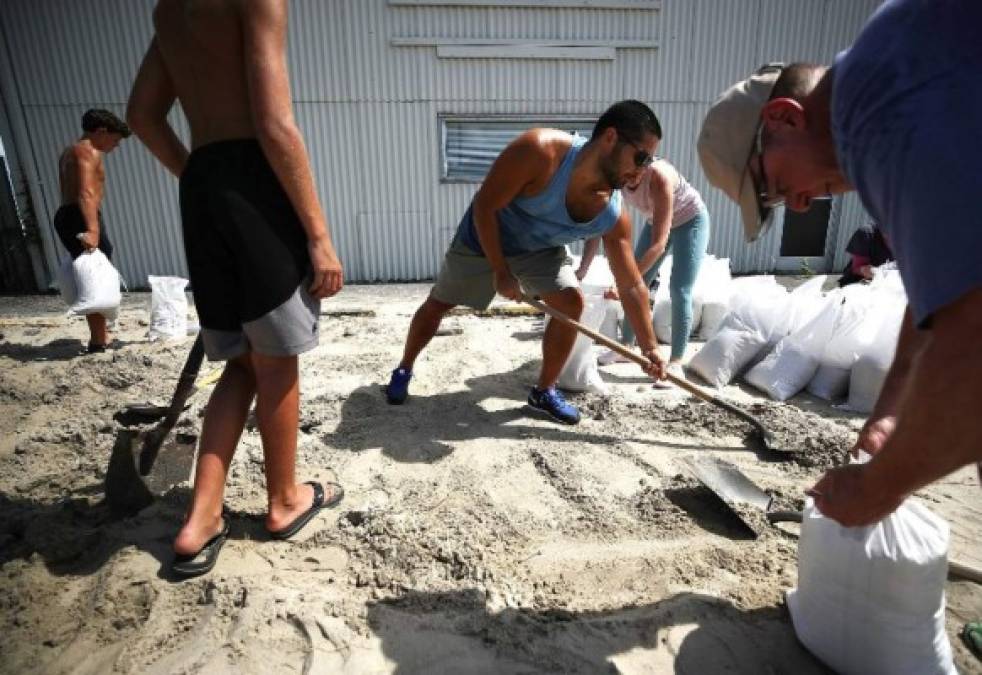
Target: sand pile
point(474, 537)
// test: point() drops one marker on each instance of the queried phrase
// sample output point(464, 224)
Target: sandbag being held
point(96, 284)
point(870, 600)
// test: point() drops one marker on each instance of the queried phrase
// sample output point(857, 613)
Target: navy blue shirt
point(907, 122)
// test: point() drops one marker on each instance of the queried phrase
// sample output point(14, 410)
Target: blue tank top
point(542, 221)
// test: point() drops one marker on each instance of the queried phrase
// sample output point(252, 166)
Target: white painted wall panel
point(369, 109)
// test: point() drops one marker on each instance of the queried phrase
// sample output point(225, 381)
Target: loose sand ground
point(475, 538)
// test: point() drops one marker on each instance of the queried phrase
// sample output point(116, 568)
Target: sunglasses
point(642, 157)
point(765, 202)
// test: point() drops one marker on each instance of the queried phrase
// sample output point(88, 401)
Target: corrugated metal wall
point(369, 109)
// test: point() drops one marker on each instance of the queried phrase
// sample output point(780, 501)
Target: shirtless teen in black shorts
point(82, 178)
point(258, 249)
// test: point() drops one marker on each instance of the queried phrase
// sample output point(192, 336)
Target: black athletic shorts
point(69, 223)
point(247, 254)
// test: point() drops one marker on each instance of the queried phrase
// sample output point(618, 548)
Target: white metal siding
point(369, 109)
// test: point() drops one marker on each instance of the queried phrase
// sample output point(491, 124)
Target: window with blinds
point(470, 145)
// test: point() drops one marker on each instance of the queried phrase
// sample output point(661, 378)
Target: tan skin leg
point(425, 323)
point(558, 340)
point(98, 331)
point(225, 418)
point(274, 383)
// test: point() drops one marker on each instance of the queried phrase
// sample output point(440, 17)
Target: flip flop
point(318, 504)
point(196, 564)
point(972, 635)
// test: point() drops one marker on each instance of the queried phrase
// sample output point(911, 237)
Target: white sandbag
point(757, 307)
point(870, 600)
point(713, 288)
point(830, 383)
point(97, 283)
point(66, 282)
point(871, 368)
point(580, 372)
point(727, 353)
point(613, 315)
point(598, 278)
point(793, 362)
point(168, 308)
point(804, 304)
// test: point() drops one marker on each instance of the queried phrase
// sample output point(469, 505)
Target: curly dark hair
point(97, 118)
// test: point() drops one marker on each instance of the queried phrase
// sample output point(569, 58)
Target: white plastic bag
point(871, 367)
point(786, 370)
point(598, 278)
point(613, 315)
point(97, 283)
point(870, 600)
point(714, 287)
point(757, 309)
point(580, 372)
point(168, 308)
point(830, 382)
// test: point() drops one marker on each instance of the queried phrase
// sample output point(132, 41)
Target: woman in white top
point(677, 222)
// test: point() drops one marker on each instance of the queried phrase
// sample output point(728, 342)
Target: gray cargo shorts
point(286, 330)
point(466, 277)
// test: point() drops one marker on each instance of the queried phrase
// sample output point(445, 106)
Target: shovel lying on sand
point(739, 493)
point(759, 434)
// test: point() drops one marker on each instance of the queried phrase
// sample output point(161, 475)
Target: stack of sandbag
point(598, 280)
point(870, 600)
point(580, 373)
point(90, 285)
point(792, 363)
point(873, 361)
point(856, 325)
point(713, 288)
point(711, 291)
point(661, 309)
point(757, 313)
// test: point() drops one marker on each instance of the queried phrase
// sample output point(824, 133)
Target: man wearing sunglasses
point(898, 117)
point(545, 190)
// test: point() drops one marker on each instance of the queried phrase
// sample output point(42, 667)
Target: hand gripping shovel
point(759, 434)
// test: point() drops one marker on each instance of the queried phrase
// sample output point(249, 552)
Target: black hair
point(632, 120)
point(97, 118)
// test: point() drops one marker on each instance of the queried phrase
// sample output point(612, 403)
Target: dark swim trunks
point(69, 223)
point(247, 254)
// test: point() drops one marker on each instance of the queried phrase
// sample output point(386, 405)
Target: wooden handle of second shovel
point(616, 346)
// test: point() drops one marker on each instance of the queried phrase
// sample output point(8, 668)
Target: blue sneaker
point(398, 387)
point(551, 402)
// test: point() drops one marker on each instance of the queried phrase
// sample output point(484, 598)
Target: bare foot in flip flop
point(196, 548)
point(311, 497)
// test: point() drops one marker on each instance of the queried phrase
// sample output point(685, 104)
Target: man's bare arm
point(264, 24)
point(515, 168)
point(151, 98)
point(661, 220)
point(631, 288)
point(89, 193)
point(937, 423)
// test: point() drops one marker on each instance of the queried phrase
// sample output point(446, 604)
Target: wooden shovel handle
point(626, 352)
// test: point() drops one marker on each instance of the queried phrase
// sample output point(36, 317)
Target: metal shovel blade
point(732, 486)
